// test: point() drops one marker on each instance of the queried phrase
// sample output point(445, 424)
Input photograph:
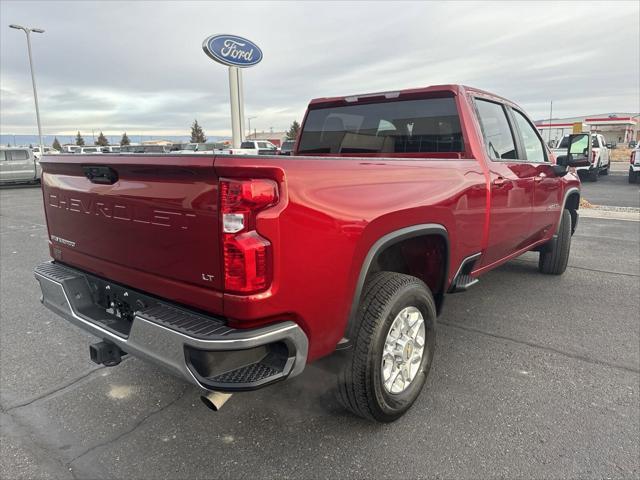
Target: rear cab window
point(497, 132)
point(393, 127)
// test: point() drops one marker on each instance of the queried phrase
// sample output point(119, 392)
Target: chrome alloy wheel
point(403, 350)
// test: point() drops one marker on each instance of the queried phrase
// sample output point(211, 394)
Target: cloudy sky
point(138, 66)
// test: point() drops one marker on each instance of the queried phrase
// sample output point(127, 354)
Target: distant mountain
point(113, 139)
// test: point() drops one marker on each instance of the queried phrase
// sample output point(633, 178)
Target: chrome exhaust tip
point(215, 400)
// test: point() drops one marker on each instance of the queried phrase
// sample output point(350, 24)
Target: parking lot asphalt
point(534, 376)
point(613, 189)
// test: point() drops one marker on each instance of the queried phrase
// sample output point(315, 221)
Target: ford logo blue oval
point(232, 51)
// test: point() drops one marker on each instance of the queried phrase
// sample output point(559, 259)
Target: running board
point(463, 279)
point(463, 282)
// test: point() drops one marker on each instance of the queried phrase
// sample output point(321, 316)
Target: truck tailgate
point(159, 217)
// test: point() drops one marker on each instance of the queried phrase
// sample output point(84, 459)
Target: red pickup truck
point(236, 271)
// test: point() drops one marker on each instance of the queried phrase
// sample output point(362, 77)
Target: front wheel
point(394, 341)
point(633, 176)
point(606, 170)
point(554, 259)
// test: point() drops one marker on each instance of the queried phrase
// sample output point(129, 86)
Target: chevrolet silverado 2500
point(236, 271)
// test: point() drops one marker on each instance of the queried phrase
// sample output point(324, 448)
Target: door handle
point(539, 178)
point(500, 182)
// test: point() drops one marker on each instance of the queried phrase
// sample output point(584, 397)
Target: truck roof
point(409, 93)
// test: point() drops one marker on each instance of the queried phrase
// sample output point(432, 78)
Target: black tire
point(633, 176)
point(606, 170)
point(554, 260)
point(360, 382)
point(592, 175)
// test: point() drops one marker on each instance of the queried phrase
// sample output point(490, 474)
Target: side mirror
point(577, 154)
point(579, 144)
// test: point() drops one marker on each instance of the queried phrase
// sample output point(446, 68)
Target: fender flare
point(380, 245)
point(567, 194)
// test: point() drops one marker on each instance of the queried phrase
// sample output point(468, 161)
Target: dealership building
point(616, 127)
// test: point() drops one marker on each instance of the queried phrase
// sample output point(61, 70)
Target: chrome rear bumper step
point(198, 347)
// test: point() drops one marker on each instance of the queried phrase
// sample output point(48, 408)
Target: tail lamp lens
point(247, 255)
point(246, 262)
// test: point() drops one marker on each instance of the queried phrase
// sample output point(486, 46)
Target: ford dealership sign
point(232, 51)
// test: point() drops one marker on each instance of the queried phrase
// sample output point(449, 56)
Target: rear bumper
point(197, 347)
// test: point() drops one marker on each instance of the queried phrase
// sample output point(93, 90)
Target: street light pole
point(27, 32)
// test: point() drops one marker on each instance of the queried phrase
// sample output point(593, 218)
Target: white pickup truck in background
point(634, 165)
point(251, 147)
point(19, 165)
point(598, 156)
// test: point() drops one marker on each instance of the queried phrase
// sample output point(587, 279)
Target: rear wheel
point(554, 259)
point(592, 175)
point(633, 176)
point(394, 341)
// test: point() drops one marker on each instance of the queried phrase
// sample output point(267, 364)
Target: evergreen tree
point(56, 144)
point(292, 134)
point(79, 140)
point(197, 134)
point(125, 139)
point(102, 140)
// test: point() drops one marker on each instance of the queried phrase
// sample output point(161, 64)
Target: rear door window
point(18, 154)
point(497, 132)
point(248, 145)
point(407, 126)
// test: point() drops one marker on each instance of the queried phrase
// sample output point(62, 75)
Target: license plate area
point(113, 307)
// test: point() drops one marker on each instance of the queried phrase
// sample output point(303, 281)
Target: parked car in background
point(70, 148)
point(110, 149)
point(287, 147)
point(598, 156)
point(47, 151)
point(252, 147)
point(632, 144)
point(200, 148)
point(211, 147)
point(155, 149)
point(634, 165)
point(19, 165)
point(184, 148)
point(132, 149)
point(90, 150)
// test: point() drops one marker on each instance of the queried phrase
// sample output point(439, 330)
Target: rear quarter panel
point(332, 211)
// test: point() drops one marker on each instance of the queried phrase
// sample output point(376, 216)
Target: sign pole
point(236, 53)
point(241, 103)
point(234, 92)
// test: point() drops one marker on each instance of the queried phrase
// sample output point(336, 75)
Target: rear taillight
point(632, 157)
point(594, 156)
point(247, 255)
